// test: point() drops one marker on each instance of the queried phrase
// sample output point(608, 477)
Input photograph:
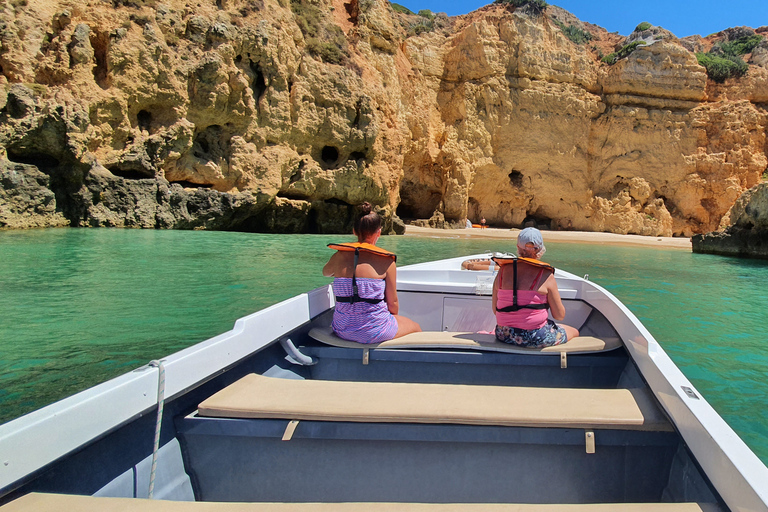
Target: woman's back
point(532, 289)
point(369, 265)
point(529, 277)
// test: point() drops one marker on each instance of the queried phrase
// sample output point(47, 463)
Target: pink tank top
point(522, 318)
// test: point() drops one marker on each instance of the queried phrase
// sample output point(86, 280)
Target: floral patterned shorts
point(547, 335)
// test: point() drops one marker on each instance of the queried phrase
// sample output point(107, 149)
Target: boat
point(279, 414)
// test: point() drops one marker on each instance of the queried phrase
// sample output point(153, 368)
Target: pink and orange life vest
point(513, 260)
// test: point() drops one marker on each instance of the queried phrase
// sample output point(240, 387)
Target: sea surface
point(80, 306)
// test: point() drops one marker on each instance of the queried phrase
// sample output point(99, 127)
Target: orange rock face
point(311, 108)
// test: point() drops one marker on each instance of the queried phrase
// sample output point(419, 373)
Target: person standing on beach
point(364, 283)
point(522, 293)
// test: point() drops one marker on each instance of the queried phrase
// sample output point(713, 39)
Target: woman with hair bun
point(365, 278)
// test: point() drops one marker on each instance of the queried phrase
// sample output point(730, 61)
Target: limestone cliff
point(746, 234)
point(278, 115)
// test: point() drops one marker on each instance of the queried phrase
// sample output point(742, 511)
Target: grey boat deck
point(394, 431)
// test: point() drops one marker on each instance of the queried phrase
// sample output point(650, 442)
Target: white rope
point(158, 423)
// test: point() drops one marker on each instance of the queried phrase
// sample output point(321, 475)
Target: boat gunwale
point(33, 442)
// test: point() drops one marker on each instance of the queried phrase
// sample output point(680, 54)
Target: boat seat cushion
point(468, 341)
point(257, 396)
point(40, 502)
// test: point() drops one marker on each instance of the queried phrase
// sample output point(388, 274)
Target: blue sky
point(682, 18)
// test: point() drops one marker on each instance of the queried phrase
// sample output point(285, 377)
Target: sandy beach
point(581, 237)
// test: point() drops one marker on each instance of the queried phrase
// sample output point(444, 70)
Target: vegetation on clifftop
point(425, 24)
point(537, 6)
point(724, 60)
point(643, 26)
point(419, 23)
point(401, 9)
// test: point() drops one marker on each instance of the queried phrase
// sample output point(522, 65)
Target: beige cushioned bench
point(38, 502)
point(256, 396)
point(468, 341)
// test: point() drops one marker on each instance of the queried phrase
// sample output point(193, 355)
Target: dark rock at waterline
point(734, 241)
point(31, 198)
point(747, 236)
point(25, 198)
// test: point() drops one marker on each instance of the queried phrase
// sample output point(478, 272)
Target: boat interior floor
point(440, 424)
point(423, 442)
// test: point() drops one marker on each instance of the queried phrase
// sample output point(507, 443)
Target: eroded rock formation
point(746, 234)
point(280, 115)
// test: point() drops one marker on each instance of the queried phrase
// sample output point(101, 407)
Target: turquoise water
point(80, 306)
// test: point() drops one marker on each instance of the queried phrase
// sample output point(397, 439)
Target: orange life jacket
point(356, 247)
point(506, 260)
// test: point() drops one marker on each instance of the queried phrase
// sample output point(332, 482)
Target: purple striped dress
point(360, 321)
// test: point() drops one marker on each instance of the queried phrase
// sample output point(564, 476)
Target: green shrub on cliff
point(643, 26)
point(538, 6)
point(724, 60)
point(740, 46)
point(427, 23)
point(401, 8)
point(625, 50)
point(720, 68)
point(574, 33)
point(324, 40)
point(421, 27)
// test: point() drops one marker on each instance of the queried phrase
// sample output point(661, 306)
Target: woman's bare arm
point(553, 299)
point(330, 268)
point(495, 291)
point(390, 289)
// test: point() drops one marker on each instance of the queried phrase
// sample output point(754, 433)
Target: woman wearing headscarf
point(522, 294)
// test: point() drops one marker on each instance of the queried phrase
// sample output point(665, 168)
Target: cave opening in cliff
point(329, 155)
point(330, 216)
point(211, 144)
point(100, 45)
point(130, 174)
point(417, 202)
point(538, 221)
point(313, 227)
point(294, 195)
point(40, 160)
point(516, 178)
point(357, 156)
point(259, 84)
point(144, 120)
